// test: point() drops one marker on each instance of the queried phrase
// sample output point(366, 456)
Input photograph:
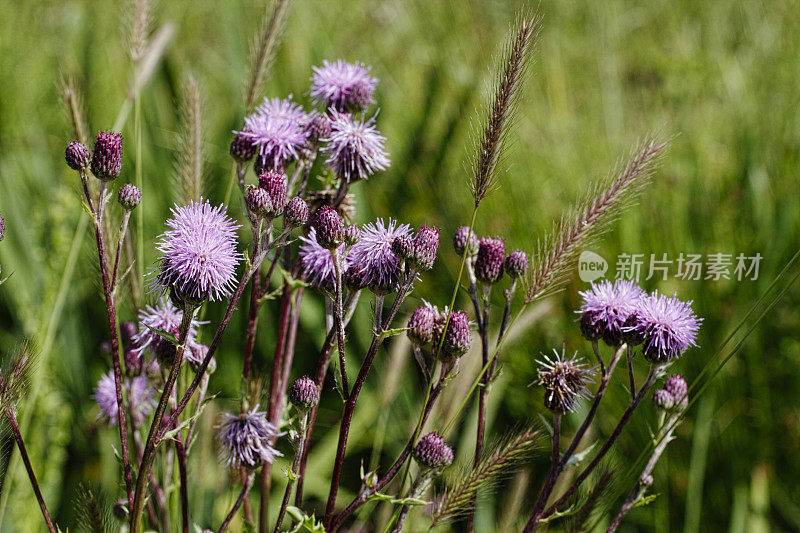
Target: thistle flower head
point(199, 254)
point(296, 212)
point(343, 86)
point(77, 156)
point(517, 264)
point(355, 148)
point(564, 381)
point(420, 324)
point(605, 308)
point(304, 393)
point(426, 243)
point(329, 227)
point(433, 452)
point(245, 439)
point(129, 197)
point(258, 202)
point(373, 255)
point(465, 240)
point(242, 148)
point(162, 316)
point(107, 155)
point(139, 393)
point(276, 129)
point(274, 182)
point(457, 338)
point(317, 261)
point(667, 325)
point(489, 262)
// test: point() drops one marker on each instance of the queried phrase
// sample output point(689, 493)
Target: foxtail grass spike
point(189, 155)
point(264, 49)
point(15, 374)
point(139, 27)
point(93, 511)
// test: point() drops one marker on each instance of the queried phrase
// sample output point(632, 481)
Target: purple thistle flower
point(164, 316)
point(667, 325)
point(107, 155)
point(195, 354)
point(245, 439)
point(373, 255)
point(432, 451)
point(199, 254)
point(139, 393)
point(77, 156)
point(426, 243)
point(285, 110)
point(355, 148)
point(317, 261)
point(605, 308)
point(564, 381)
point(276, 129)
point(343, 86)
point(489, 263)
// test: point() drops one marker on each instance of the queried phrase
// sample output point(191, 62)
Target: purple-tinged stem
point(122, 231)
point(252, 321)
point(181, 452)
point(301, 437)
point(23, 452)
point(242, 495)
point(338, 320)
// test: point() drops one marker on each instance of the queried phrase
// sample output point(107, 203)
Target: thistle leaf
point(309, 523)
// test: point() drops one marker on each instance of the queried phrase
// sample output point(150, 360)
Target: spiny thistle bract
point(606, 307)
point(374, 257)
point(296, 212)
point(343, 86)
point(243, 148)
point(107, 156)
point(421, 323)
point(274, 182)
point(304, 393)
point(199, 255)
point(517, 264)
point(258, 202)
point(564, 381)
point(329, 227)
point(354, 148)
point(129, 197)
point(490, 259)
point(77, 156)
point(465, 241)
point(457, 338)
point(245, 439)
point(425, 245)
point(433, 452)
point(667, 325)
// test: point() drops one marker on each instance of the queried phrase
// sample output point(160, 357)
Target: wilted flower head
point(489, 263)
point(343, 86)
point(296, 212)
point(465, 240)
point(425, 245)
point(605, 308)
point(420, 324)
point(77, 156)
point(245, 439)
point(564, 381)
point(199, 254)
point(317, 261)
point(107, 155)
point(517, 264)
point(277, 131)
point(373, 255)
point(667, 325)
point(457, 338)
point(304, 393)
point(242, 148)
point(138, 391)
point(129, 197)
point(433, 452)
point(354, 148)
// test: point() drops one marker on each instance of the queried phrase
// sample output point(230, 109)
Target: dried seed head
point(517, 264)
point(420, 325)
point(465, 240)
point(242, 148)
point(274, 182)
point(489, 263)
point(259, 202)
point(564, 381)
point(352, 234)
point(433, 452)
point(426, 243)
point(107, 155)
point(329, 227)
point(129, 197)
point(296, 212)
point(304, 393)
point(77, 155)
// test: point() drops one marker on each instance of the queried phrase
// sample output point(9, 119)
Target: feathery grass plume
point(584, 223)
point(189, 148)
point(15, 374)
point(600, 490)
point(264, 48)
point(138, 25)
point(93, 511)
point(74, 106)
point(495, 129)
point(498, 461)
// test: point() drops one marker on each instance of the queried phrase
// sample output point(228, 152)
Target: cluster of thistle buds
point(673, 396)
point(486, 259)
point(446, 334)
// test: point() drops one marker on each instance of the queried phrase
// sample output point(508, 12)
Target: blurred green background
point(720, 76)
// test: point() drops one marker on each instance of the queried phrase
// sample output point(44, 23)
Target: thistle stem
point(242, 495)
point(630, 372)
point(122, 231)
point(184, 489)
point(298, 454)
point(23, 452)
point(339, 320)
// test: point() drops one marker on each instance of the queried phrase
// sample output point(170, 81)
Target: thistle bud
point(590, 328)
point(166, 352)
point(517, 264)
point(77, 155)
point(489, 263)
point(242, 148)
point(630, 334)
point(304, 393)
point(677, 387)
point(129, 197)
point(465, 240)
point(107, 156)
point(259, 202)
point(403, 246)
point(318, 127)
point(355, 278)
point(663, 399)
point(329, 227)
point(352, 234)
point(426, 243)
point(420, 325)
point(433, 452)
point(274, 182)
point(457, 340)
point(296, 212)
point(359, 98)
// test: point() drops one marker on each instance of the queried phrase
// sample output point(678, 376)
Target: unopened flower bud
point(274, 182)
point(352, 234)
point(242, 148)
point(489, 263)
point(457, 339)
point(318, 127)
point(433, 452)
point(630, 334)
point(403, 246)
point(517, 264)
point(259, 202)
point(676, 386)
point(329, 227)
point(296, 212)
point(426, 243)
point(77, 155)
point(304, 393)
point(590, 328)
point(663, 399)
point(129, 197)
point(420, 325)
point(107, 156)
point(465, 240)
point(355, 278)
